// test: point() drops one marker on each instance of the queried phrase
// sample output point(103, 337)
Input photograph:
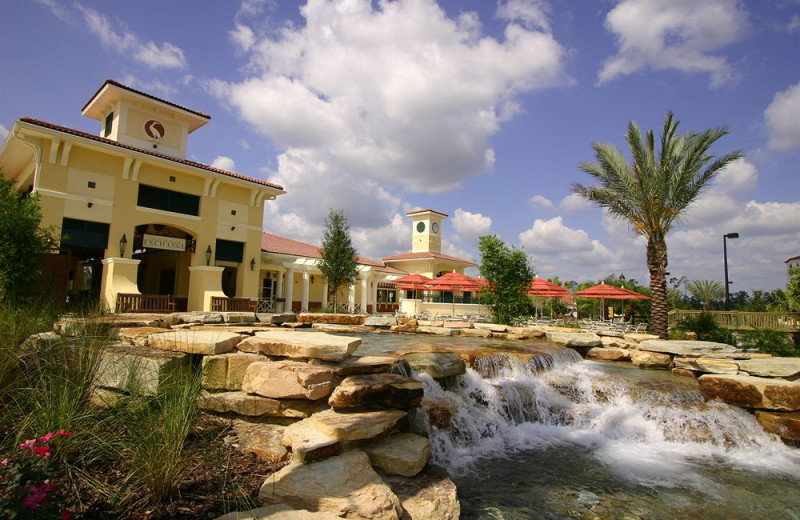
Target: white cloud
point(243, 37)
point(574, 202)
point(680, 35)
point(542, 202)
point(224, 163)
point(121, 40)
point(470, 226)
point(783, 119)
point(57, 9)
point(3, 132)
point(794, 23)
point(366, 99)
point(552, 236)
point(156, 88)
point(531, 13)
point(738, 177)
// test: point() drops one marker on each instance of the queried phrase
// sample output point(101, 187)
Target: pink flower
point(66, 515)
point(5, 461)
point(36, 496)
point(27, 445)
point(42, 451)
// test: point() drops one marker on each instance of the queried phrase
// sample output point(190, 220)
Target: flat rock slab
point(380, 321)
point(249, 405)
point(226, 371)
point(752, 392)
point(493, 327)
point(346, 329)
point(329, 432)
point(274, 318)
point(438, 365)
point(262, 439)
point(339, 319)
point(784, 425)
point(644, 359)
point(345, 485)
point(288, 380)
point(438, 331)
point(609, 354)
point(431, 495)
point(575, 339)
point(206, 342)
point(387, 390)
point(530, 332)
point(198, 317)
point(138, 336)
point(354, 365)
point(137, 370)
point(403, 454)
point(708, 365)
point(686, 348)
point(616, 342)
point(638, 337)
point(404, 327)
point(303, 345)
point(784, 367)
point(477, 333)
point(279, 512)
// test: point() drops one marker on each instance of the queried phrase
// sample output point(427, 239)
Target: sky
point(480, 109)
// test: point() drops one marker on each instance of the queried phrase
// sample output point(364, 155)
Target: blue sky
point(475, 108)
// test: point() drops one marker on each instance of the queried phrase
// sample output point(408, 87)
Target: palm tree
point(654, 190)
point(706, 291)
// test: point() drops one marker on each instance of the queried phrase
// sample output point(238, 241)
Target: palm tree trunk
point(657, 264)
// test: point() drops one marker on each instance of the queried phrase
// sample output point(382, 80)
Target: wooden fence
point(737, 320)
point(222, 304)
point(144, 303)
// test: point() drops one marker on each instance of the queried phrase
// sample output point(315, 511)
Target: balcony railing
point(157, 303)
point(223, 304)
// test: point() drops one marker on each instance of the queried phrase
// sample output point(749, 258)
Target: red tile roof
point(423, 255)
point(145, 94)
point(186, 162)
point(272, 243)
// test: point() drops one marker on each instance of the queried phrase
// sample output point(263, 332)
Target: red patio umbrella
point(541, 288)
point(610, 292)
point(450, 282)
point(412, 282)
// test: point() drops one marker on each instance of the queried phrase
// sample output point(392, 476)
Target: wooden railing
point(738, 320)
point(223, 304)
point(144, 303)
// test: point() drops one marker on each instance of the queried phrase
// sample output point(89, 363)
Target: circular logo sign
point(154, 129)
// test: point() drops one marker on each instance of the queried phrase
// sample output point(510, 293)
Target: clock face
point(435, 227)
point(420, 227)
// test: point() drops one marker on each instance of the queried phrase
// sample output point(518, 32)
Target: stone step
point(206, 342)
point(288, 380)
point(387, 390)
point(250, 405)
point(296, 344)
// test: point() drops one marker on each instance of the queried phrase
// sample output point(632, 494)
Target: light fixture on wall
point(253, 264)
point(312, 278)
point(208, 255)
point(123, 244)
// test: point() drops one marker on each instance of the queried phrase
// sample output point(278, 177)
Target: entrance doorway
point(165, 253)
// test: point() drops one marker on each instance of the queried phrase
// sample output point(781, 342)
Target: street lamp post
point(725, 259)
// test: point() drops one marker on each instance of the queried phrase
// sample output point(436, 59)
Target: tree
point(23, 243)
point(339, 264)
point(654, 190)
point(706, 291)
point(509, 275)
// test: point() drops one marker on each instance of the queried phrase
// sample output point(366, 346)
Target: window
point(82, 233)
point(229, 251)
point(109, 124)
point(168, 200)
point(92, 184)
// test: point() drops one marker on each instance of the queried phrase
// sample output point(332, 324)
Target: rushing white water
point(642, 430)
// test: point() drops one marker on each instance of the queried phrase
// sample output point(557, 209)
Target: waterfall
point(643, 426)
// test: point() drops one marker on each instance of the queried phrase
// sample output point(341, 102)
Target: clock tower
point(426, 231)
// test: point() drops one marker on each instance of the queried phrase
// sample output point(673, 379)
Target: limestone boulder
point(137, 336)
point(708, 365)
point(404, 327)
point(330, 432)
point(274, 318)
point(784, 425)
point(346, 329)
point(354, 365)
point(684, 372)
point(339, 319)
point(403, 454)
point(752, 392)
point(250, 405)
point(508, 335)
point(387, 390)
point(458, 324)
point(345, 485)
point(239, 317)
point(610, 334)
point(288, 380)
point(198, 317)
point(137, 370)
point(608, 354)
point(303, 345)
point(617, 342)
point(782, 367)
point(439, 411)
point(528, 332)
point(205, 342)
point(278, 512)
point(382, 322)
point(438, 365)
point(431, 495)
point(438, 331)
point(477, 333)
point(226, 371)
point(262, 439)
point(684, 348)
point(574, 339)
point(638, 337)
point(492, 327)
point(643, 359)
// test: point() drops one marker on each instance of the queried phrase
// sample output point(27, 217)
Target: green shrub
point(768, 341)
point(706, 329)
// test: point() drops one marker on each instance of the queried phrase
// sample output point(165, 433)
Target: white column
point(351, 298)
point(324, 293)
point(289, 289)
point(304, 300)
point(279, 286)
point(373, 295)
point(364, 294)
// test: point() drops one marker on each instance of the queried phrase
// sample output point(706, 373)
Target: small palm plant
point(707, 291)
